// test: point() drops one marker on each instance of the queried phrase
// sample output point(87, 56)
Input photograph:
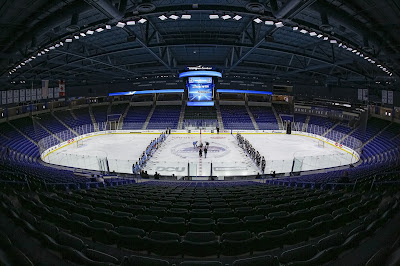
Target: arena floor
point(178, 156)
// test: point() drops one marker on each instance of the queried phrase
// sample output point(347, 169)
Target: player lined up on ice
point(254, 155)
point(146, 155)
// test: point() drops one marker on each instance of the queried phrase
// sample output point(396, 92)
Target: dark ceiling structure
point(350, 43)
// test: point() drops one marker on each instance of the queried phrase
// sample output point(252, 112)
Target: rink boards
point(235, 165)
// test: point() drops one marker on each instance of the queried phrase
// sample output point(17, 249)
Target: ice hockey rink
point(177, 155)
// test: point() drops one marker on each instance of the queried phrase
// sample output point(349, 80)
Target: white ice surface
point(178, 156)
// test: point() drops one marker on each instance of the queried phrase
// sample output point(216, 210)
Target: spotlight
point(313, 33)
point(303, 31)
point(319, 35)
point(213, 16)
point(257, 20)
point(99, 29)
point(162, 17)
point(174, 17)
point(130, 23)
point(295, 28)
point(333, 41)
point(237, 17)
point(279, 24)
point(120, 24)
point(82, 34)
point(68, 40)
point(186, 16)
point(108, 27)
point(142, 20)
point(89, 32)
point(269, 22)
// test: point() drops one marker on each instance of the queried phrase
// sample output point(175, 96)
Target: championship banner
point(45, 89)
point(33, 94)
point(51, 93)
point(28, 95)
point(9, 96)
point(61, 86)
point(22, 95)
point(16, 96)
point(365, 95)
point(39, 94)
point(384, 96)
point(360, 94)
point(57, 92)
point(390, 97)
point(4, 97)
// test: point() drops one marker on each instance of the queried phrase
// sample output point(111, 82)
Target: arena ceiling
point(99, 41)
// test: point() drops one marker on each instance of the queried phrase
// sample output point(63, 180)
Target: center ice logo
point(186, 150)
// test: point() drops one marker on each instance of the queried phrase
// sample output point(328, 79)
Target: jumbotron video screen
point(200, 91)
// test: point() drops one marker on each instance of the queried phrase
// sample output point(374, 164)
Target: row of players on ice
point(150, 150)
point(200, 146)
point(254, 155)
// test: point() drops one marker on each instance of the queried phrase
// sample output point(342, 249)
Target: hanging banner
point(45, 89)
point(57, 92)
point(9, 96)
point(33, 94)
point(39, 94)
point(28, 95)
point(390, 97)
point(4, 97)
point(360, 94)
point(16, 96)
point(365, 95)
point(51, 93)
point(22, 95)
point(61, 86)
point(384, 96)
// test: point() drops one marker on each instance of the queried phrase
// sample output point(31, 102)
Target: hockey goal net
point(79, 143)
point(321, 143)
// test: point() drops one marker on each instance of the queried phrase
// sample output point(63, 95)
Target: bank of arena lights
point(235, 17)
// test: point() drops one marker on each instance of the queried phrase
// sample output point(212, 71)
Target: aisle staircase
point(96, 126)
point(329, 130)
point(278, 118)
point(48, 131)
point(146, 123)
point(65, 125)
point(73, 114)
point(305, 125)
point(22, 133)
point(182, 115)
point(122, 118)
point(348, 134)
point(256, 127)
point(219, 116)
point(377, 134)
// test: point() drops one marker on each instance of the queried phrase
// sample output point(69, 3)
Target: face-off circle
point(186, 150)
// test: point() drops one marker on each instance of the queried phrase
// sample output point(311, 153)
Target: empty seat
point(200, 244)
point(300, 254)
point(236, 243)
point(267, 260)
point(164, 243)
point(273, 239)
point(143, 261)
point(201, 224)
point(223, 213)
point(230, 224)
point(255, 223)
point(173, 225)
point(146, 222)
point(200, 213)
point(128, 237)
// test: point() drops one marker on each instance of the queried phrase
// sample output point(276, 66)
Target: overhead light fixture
point(42, 52)
point(120, 24)
point(57, 45)
point(89, 32)
point(46, 50)
point(340, 44)
point(23, 64)
point(358, 53)
point(313, 33)
point(225, 17)
point(99, 29)
point(279, 24)
point(162, 17)
point(257, 20)
point(82, 34)
point(319, 35)
point(213, 16)
point(354, 51)
point(186, 16)
point(61, 43)
point(108, 27)
point(295, 28)
point(76, 37)
point(142, 20)
point(130, 23)
point(237, 17)
point(174, 17)
point(326, 38)
point(303, 31)
point(333, 41)
point(68, 40)
point(269, 22)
